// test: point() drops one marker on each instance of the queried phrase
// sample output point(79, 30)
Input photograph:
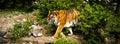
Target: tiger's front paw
point(53, 37)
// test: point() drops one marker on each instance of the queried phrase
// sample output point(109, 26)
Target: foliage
point(65, 41)
point(66, 31)
point(15, 4)
point(39, 17)
point(113, 26)
point(21, 29)
point(92, 18)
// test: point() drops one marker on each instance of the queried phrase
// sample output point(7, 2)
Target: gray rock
point(3, 41)
point(36, 30)
point(8, 35)
point(2, 33)
point(37, 34)
point(41, 42)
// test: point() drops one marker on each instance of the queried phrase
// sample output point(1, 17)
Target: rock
point(27, 39)
point(8, 35)
point(36, 27)
point(32, 42)
point(40, 34)
point(24, 20)
point(41, 42)
point(36, 34)
point(46, 40)
point(2, 33)
point(36, 30)
point(3, 41)
point(38, 40)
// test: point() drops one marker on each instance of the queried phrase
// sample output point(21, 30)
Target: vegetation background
point(98, 19)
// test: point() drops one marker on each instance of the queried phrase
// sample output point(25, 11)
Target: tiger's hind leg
point(62, 34)
point(71, 32)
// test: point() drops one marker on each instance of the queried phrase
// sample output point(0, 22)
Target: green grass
point(65, 41)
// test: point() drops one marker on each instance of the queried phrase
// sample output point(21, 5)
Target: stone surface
point(8, 35)
point(2, 33)
point(3, 41)
point(36, 30)
point(39, 40)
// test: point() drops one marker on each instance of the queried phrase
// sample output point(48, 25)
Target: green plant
point(113, 24)
point(66, 31)
point(39, 17)
point(113, 27)
point(65, 41)
point(21, 29)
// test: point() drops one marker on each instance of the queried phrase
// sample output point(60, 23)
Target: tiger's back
point(71, 17)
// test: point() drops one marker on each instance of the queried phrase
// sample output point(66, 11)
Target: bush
point(39, 17)
point(21, 29)
point(113, 26)
point(92, 18)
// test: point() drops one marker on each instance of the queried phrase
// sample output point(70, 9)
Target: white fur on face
point(51, 21)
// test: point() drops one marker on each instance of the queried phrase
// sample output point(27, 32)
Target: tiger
point(63, 18)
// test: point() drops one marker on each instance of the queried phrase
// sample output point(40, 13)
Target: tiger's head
point(52, 17)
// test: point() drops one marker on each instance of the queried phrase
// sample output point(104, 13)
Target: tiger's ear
point(56, 13)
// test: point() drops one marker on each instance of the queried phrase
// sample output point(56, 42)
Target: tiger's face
point(52, 17)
